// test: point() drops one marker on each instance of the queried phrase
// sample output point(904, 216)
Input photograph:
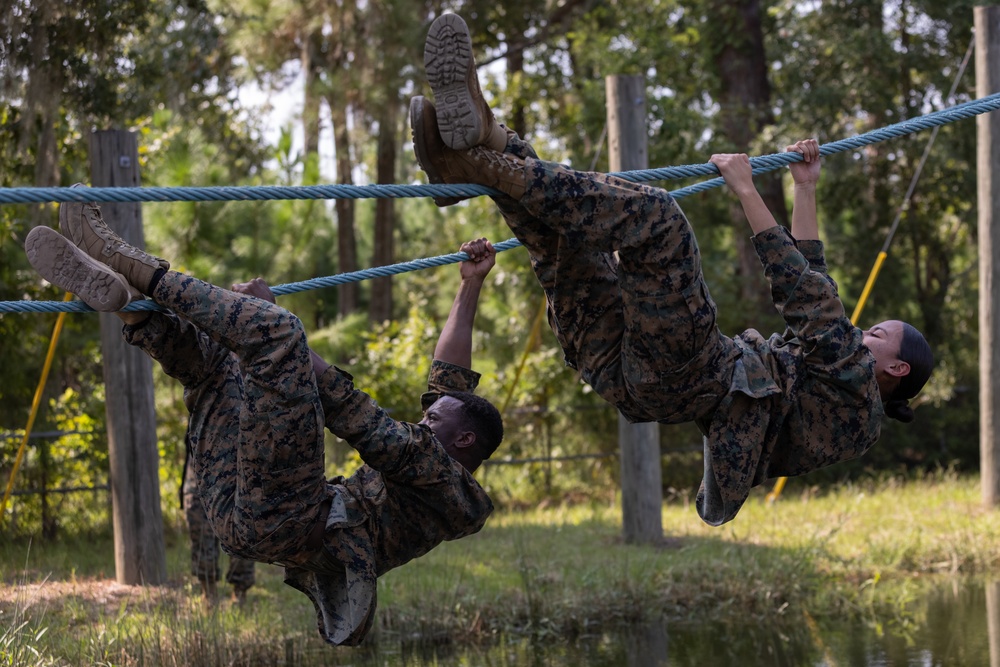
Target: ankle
point(157, 276)
point(501, 171)
point(496, 136)
point(133, 318)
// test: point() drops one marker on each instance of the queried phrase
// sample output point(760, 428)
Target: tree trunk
point(745, 99)
point(343, 90)
point(347, 246)
point(517, 122)
point(380, 308)
point(310, 108)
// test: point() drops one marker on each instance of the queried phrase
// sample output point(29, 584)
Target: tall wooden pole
point(993, 621)
point(140, 555)
point(987, 22)
point(642, 478)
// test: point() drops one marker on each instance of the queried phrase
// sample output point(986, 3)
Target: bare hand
point(807, 171)
point(256, 287)
point(736, 169)
point(482, 259)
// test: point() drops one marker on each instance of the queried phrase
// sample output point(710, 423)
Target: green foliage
point(172, 71)
point(78, 459)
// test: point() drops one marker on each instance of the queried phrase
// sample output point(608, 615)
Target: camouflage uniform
point(257, 412)
point(204, 544)
point(641, 329)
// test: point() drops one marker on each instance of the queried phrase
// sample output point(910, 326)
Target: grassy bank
point(861, 551)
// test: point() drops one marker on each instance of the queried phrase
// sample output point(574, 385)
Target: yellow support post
point(35, 403)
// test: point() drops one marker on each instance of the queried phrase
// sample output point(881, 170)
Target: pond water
point(956, 625)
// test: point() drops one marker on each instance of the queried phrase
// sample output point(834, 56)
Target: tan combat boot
point(479, 165)
point(63, 264)
point(422, 114)
point(464, 118)
point(83, 225)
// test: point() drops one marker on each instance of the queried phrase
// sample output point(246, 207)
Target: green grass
point(857, 551)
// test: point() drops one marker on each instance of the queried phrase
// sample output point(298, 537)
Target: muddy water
point(954, 624)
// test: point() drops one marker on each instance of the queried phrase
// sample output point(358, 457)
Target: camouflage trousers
point(621, 270)
point(255, 424)
point(205, 550)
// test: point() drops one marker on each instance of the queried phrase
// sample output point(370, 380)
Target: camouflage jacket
point(409, 497)
point(797, 401)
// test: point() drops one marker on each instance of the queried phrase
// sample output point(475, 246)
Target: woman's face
point(884, 340)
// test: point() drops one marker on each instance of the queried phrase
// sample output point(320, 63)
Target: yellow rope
point(35, 403)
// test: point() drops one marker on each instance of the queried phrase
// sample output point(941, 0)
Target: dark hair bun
point(899, 410)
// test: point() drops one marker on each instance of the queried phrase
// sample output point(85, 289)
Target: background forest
point(722, 76)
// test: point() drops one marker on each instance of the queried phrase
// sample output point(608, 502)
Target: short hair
point(484, 420)
point(916, 351)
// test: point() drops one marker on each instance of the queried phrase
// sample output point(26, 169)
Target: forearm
point(756, 210)
point(455, 343)
point(804, 223)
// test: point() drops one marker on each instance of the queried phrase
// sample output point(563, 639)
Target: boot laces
point(112, 242)
point(499, 161)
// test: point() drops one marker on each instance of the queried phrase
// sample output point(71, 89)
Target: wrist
point(806, 186)
point(473, 281)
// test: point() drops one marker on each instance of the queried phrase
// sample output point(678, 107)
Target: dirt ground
point(94, 596)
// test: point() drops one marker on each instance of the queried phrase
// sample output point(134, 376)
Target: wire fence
point(47, 497)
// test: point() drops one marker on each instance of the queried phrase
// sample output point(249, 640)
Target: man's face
point(447, 423)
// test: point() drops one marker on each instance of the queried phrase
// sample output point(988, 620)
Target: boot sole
point(420, 150)
point(63, 264)
point(449, 64)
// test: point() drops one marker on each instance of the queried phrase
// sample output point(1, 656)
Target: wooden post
point(642, 478)
point(140, 555)
point(993, 621)
point(987, 22)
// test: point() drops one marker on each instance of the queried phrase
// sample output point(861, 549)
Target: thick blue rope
point(278, 290)
point(761, 164)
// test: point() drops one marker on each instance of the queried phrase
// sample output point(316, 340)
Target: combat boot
point(83, 224)
point(422, 114)
point(464, 118)
point(64, 265)
point(478, 165)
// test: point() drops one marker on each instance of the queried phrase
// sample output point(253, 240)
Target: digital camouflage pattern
point(256, 416)
point(408, 497)
point(642, 331)
point(255, 419)
point(205, 551)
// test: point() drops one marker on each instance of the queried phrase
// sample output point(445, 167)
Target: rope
point(278, 290)
point(760, 164)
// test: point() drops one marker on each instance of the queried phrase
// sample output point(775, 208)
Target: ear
point(465, 439)
point(898, 369)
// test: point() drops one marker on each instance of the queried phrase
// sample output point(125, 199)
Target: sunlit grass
point(861, 550)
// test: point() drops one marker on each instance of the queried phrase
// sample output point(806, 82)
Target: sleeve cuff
point(774, 246)
point(813, 251)
point(445, 377)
